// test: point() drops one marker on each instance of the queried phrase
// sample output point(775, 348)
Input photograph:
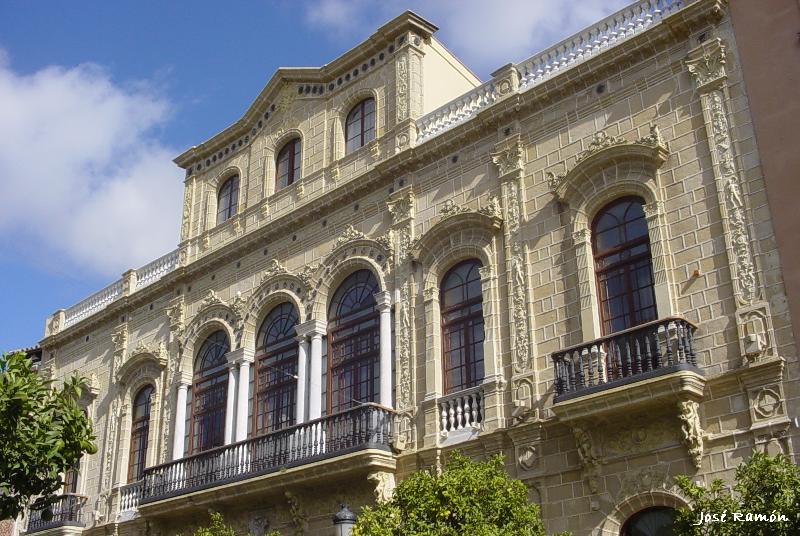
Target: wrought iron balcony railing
point(641, 352)
point(366, 427)
point(66, 511)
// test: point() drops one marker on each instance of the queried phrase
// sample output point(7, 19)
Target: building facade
point(386, 259)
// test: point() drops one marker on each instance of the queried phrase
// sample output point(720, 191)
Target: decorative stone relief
point(306, 275)
point(384, 485)
point(654, 139)
point(175, 311)
point(348, 235)
point(430, 293)
point(510, 159)
point(297, 515)
point(554, 180)
point(586, 453)
point(450, 208)
point(274, 268)
point(119, 339)
point(528, 458)
point(692, 430)
point(757, 343)
point(767, 403)
point(643, 436)
point(114, 415)
point(644, 480)
point(710, 67)
point(493, 209)
point(601, 140)
point(187, 207)
point(402, 207)
point(211, 299)
point(404, 350)
point(402, 96)
point(404, 437)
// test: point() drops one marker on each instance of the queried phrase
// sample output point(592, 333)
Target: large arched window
point(360, 125)
point(228, 199)
point(354, 342)
point(209, 392)
point(623, 265)
point(288, 164)
point(140, 430)
point(462, 326)
point(656, 521)
point(276, 369)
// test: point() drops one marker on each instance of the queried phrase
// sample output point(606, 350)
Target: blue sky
point(97, 97)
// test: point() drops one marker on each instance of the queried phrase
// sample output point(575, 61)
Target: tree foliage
point(475, 498)
point(217, 527)
point(44, 433)
point(765, 489)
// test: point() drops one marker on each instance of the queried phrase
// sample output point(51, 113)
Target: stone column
point(384, 304)
point(302, 379)
point(706, 64)
point(242, 398)
point(314, 329)
point(230, 403)
point(180, 419)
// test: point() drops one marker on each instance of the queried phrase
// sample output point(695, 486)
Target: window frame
point(294, 155)
point(465, 325)
point(628, 265)
point(287, 352)
point(204, 380)
point(140, 433)
point(360, 107)
point(230, 188)
point(366, 322)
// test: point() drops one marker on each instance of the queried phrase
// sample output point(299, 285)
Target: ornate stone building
point(386, 259)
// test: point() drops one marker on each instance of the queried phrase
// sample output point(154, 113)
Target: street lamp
point(343, 521)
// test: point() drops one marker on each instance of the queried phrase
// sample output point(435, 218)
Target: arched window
point(656, 521)
point(209, 392)
point(276, 368)
point(360, 125)
point(288, 164)
point(228, 199)
point(354, 342)
point(140, 429)
point(623, 265)
point(462, 326)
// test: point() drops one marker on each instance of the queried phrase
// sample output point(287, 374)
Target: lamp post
point(343, 521)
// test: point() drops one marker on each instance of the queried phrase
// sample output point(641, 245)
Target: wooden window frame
point(292, 149)
point(140, 431)
point(211, 377)
point(230, 188)
point(362, 130)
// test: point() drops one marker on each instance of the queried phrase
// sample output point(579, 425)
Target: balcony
point(67, 512)
point(367, 427)
point(129, 497)
point(460, 415)
point(640, 365)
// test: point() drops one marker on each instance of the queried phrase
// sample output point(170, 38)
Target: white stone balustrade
point(456, 112)
point(144, 276)
point(155, 270)
point(129, 496)
point(610, 31)
point(461, 410)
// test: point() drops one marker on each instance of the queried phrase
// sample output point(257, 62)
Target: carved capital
point(510, 159)
point(401, 206)
point(706, 64)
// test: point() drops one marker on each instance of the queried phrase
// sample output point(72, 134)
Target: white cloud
point(83, 179)
point(484, 34)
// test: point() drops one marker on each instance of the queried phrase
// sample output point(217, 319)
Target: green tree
point(475, 498)
point(217, 527)
point(44, 433)
point(765, 488)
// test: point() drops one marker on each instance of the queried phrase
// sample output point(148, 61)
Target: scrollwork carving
point(601, 140)
point(450, 208)
point(348, 235)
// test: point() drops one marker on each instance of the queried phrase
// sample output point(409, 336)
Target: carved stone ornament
point(306, 275)
point(692, 430)
point(55, 324)
point(402, 88)
point(211, 299)
point(111, 443)
point(120, 340)
point(654, 139)
point(450, 208)
point(710, 66)
point(510, 159)
point(767, 403)
point(348, 235)
point(528, 458)
point(492, 209)
point(297, 516)
point(601, 140)
point(554, 180)
point(404, 347)
point(590, 461)
point(384, 485)
point(175, 312)
point(274, 268)
point(386, 241)
point(645, 480)
point(401, 208)
point(238, 306)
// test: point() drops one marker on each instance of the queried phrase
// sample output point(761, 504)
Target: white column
point(243, 396)
point(384, 303)
point(315, 377)
point(180, 420)
point(302, 378)
point(230, 405)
